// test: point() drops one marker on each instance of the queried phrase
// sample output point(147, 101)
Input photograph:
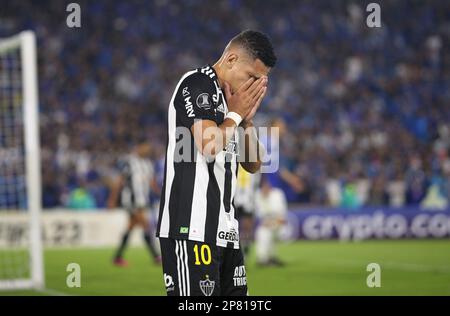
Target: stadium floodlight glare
point(21, 260)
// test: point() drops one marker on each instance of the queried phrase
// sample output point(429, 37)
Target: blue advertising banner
point(366, 223)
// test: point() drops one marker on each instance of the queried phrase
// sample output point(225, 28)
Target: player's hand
point(255, 108)
point(245, 98)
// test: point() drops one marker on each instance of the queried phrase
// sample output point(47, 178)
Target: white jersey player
point(245, 202)
point(271, 211)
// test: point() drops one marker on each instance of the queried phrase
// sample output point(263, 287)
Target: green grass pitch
point(408, 267)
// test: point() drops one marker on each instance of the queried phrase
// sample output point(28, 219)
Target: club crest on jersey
point(203, 101)
point(207, 286)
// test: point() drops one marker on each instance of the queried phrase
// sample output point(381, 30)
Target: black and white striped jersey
point(137, 173)
point(196, 202)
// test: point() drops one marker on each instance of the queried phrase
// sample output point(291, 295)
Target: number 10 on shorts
point(204, 254)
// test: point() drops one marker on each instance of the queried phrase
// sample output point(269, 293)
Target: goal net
point(21, 263)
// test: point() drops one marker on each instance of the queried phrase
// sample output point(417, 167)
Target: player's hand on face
point(260, 97)
point(245, 98)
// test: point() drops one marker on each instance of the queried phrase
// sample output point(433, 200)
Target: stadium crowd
point(364, 113)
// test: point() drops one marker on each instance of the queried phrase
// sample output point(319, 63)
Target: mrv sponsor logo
point(188, 103)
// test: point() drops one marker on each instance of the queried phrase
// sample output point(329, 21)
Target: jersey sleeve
point(194, 99)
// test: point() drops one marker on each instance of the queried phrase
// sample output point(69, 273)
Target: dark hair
point(258, 45)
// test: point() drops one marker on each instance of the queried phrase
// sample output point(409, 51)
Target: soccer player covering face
point(198, 229)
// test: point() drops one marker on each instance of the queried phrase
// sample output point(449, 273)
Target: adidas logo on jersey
point(221, 108)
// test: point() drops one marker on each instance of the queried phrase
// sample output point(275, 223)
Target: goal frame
point(26, 42)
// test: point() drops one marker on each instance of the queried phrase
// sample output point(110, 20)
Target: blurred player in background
point(244, 202)
point(133, 184)
point(271, 210)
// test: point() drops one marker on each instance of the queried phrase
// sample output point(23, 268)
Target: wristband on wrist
point(235, 117)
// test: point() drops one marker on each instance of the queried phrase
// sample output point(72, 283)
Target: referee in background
point(197, 227)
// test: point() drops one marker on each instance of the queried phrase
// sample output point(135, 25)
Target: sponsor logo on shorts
point(168, 281)
point(240, 276)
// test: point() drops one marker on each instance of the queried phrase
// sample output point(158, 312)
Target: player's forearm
point(253, 149)
point(113, 198)
point(215, 138)
point(114, 193)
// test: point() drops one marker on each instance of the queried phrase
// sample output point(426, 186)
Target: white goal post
point(22, 48)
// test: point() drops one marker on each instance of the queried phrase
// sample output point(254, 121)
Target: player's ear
point(231, 60)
